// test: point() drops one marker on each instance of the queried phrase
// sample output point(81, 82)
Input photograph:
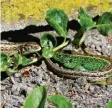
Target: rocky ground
point(79, 91)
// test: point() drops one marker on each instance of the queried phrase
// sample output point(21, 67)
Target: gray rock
point(81, 81)
point(97, 44)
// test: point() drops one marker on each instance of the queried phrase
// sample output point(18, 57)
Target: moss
point(35, 9)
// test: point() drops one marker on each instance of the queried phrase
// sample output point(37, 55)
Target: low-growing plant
point(103, 24)
point(38, 96)
point(58, 20)
point(10, 64)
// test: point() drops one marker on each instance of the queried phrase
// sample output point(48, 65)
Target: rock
point(81, 81)
point(97, 44)
point(14, 15)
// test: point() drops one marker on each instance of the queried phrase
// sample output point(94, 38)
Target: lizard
point(15, 54)
point(13, 48)
point(19, 47)
point(68, 73)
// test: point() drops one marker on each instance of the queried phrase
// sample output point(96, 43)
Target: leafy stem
point(99, 25)
point(60, 46)
point(84, 35)
point(82, 39)
point(58, 20)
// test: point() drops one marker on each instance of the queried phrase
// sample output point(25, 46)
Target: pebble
point(17, 74)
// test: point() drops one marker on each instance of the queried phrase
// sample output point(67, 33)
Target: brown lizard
point(11, 48)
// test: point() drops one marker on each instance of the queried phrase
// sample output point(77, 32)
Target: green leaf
point(4, 62)
point(47, 52)
point(10, 71)
point(36, 99)
point(85, 20)
point(17, 59)
point(109, 104)
point(48, 40)
point(60, 101)
point(58, 20)
point(104, 24)
point(79, 38)
point(28, 61)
